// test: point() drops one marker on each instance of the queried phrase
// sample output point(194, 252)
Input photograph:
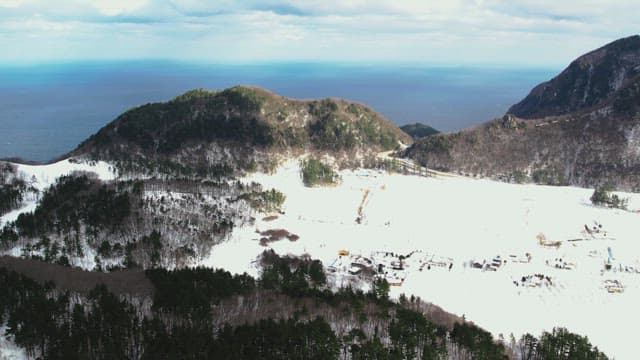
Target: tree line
point(179, 323)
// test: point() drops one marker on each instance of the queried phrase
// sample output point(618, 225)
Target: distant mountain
point(418, 130)
point(208, 133)
point(590, 81)
point(580, 128)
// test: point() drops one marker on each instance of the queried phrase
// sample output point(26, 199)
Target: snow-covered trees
point(315, 172)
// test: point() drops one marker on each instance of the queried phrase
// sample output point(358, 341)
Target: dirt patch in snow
point(273, 235)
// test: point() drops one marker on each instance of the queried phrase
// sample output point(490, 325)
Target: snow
point(467, 219)
point(8, 349)
point(28, 206)
point(43, 176)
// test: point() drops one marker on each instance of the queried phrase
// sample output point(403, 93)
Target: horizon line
point(280, 62)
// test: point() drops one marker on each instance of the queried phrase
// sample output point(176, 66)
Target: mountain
point(418, 130)
point(580, 128)
point(210, 133)
point(590, 82)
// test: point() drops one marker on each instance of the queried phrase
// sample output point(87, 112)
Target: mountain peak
point(589, 82)
point(232, 128)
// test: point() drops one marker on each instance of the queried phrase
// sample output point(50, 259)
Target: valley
point(466, 220)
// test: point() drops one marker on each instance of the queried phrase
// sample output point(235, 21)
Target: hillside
point(206, 133)
point(581, 128)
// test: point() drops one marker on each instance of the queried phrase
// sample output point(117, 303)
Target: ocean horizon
point(46, 110)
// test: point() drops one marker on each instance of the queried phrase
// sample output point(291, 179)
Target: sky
point(502, 32)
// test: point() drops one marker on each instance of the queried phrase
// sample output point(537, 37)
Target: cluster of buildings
point(387, 265)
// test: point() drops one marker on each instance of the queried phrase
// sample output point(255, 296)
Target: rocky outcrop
point(590, 82)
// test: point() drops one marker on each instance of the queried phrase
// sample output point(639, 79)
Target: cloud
point(459, 31)
point(118, 7)
point(10, 3)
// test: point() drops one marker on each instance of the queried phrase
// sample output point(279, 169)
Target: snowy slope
point(42, 176)
point(45, 175)
point(467, 219)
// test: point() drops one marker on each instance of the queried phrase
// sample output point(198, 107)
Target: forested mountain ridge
point(208, 134)
point(581, 128)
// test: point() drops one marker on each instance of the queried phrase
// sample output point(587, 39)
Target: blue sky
point(483, 32)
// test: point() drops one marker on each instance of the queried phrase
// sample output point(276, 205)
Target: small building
point(496, 262)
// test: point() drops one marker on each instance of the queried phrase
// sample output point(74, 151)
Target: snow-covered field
point(467, 219)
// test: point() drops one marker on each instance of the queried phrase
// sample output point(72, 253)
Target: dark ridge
point(124, 282)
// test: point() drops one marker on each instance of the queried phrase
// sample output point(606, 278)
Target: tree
point(315, 172)
point(380, 288)
point(527, 346)
point(316, 273)
point(602, 196)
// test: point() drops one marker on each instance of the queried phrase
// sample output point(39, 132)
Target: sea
point(46, 110)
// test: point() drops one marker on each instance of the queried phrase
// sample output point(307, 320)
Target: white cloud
point(10, 3)
point(468, 31)
point(117, 7)
point(37, 24)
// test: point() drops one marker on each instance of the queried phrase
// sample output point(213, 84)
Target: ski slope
point(467, 219)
